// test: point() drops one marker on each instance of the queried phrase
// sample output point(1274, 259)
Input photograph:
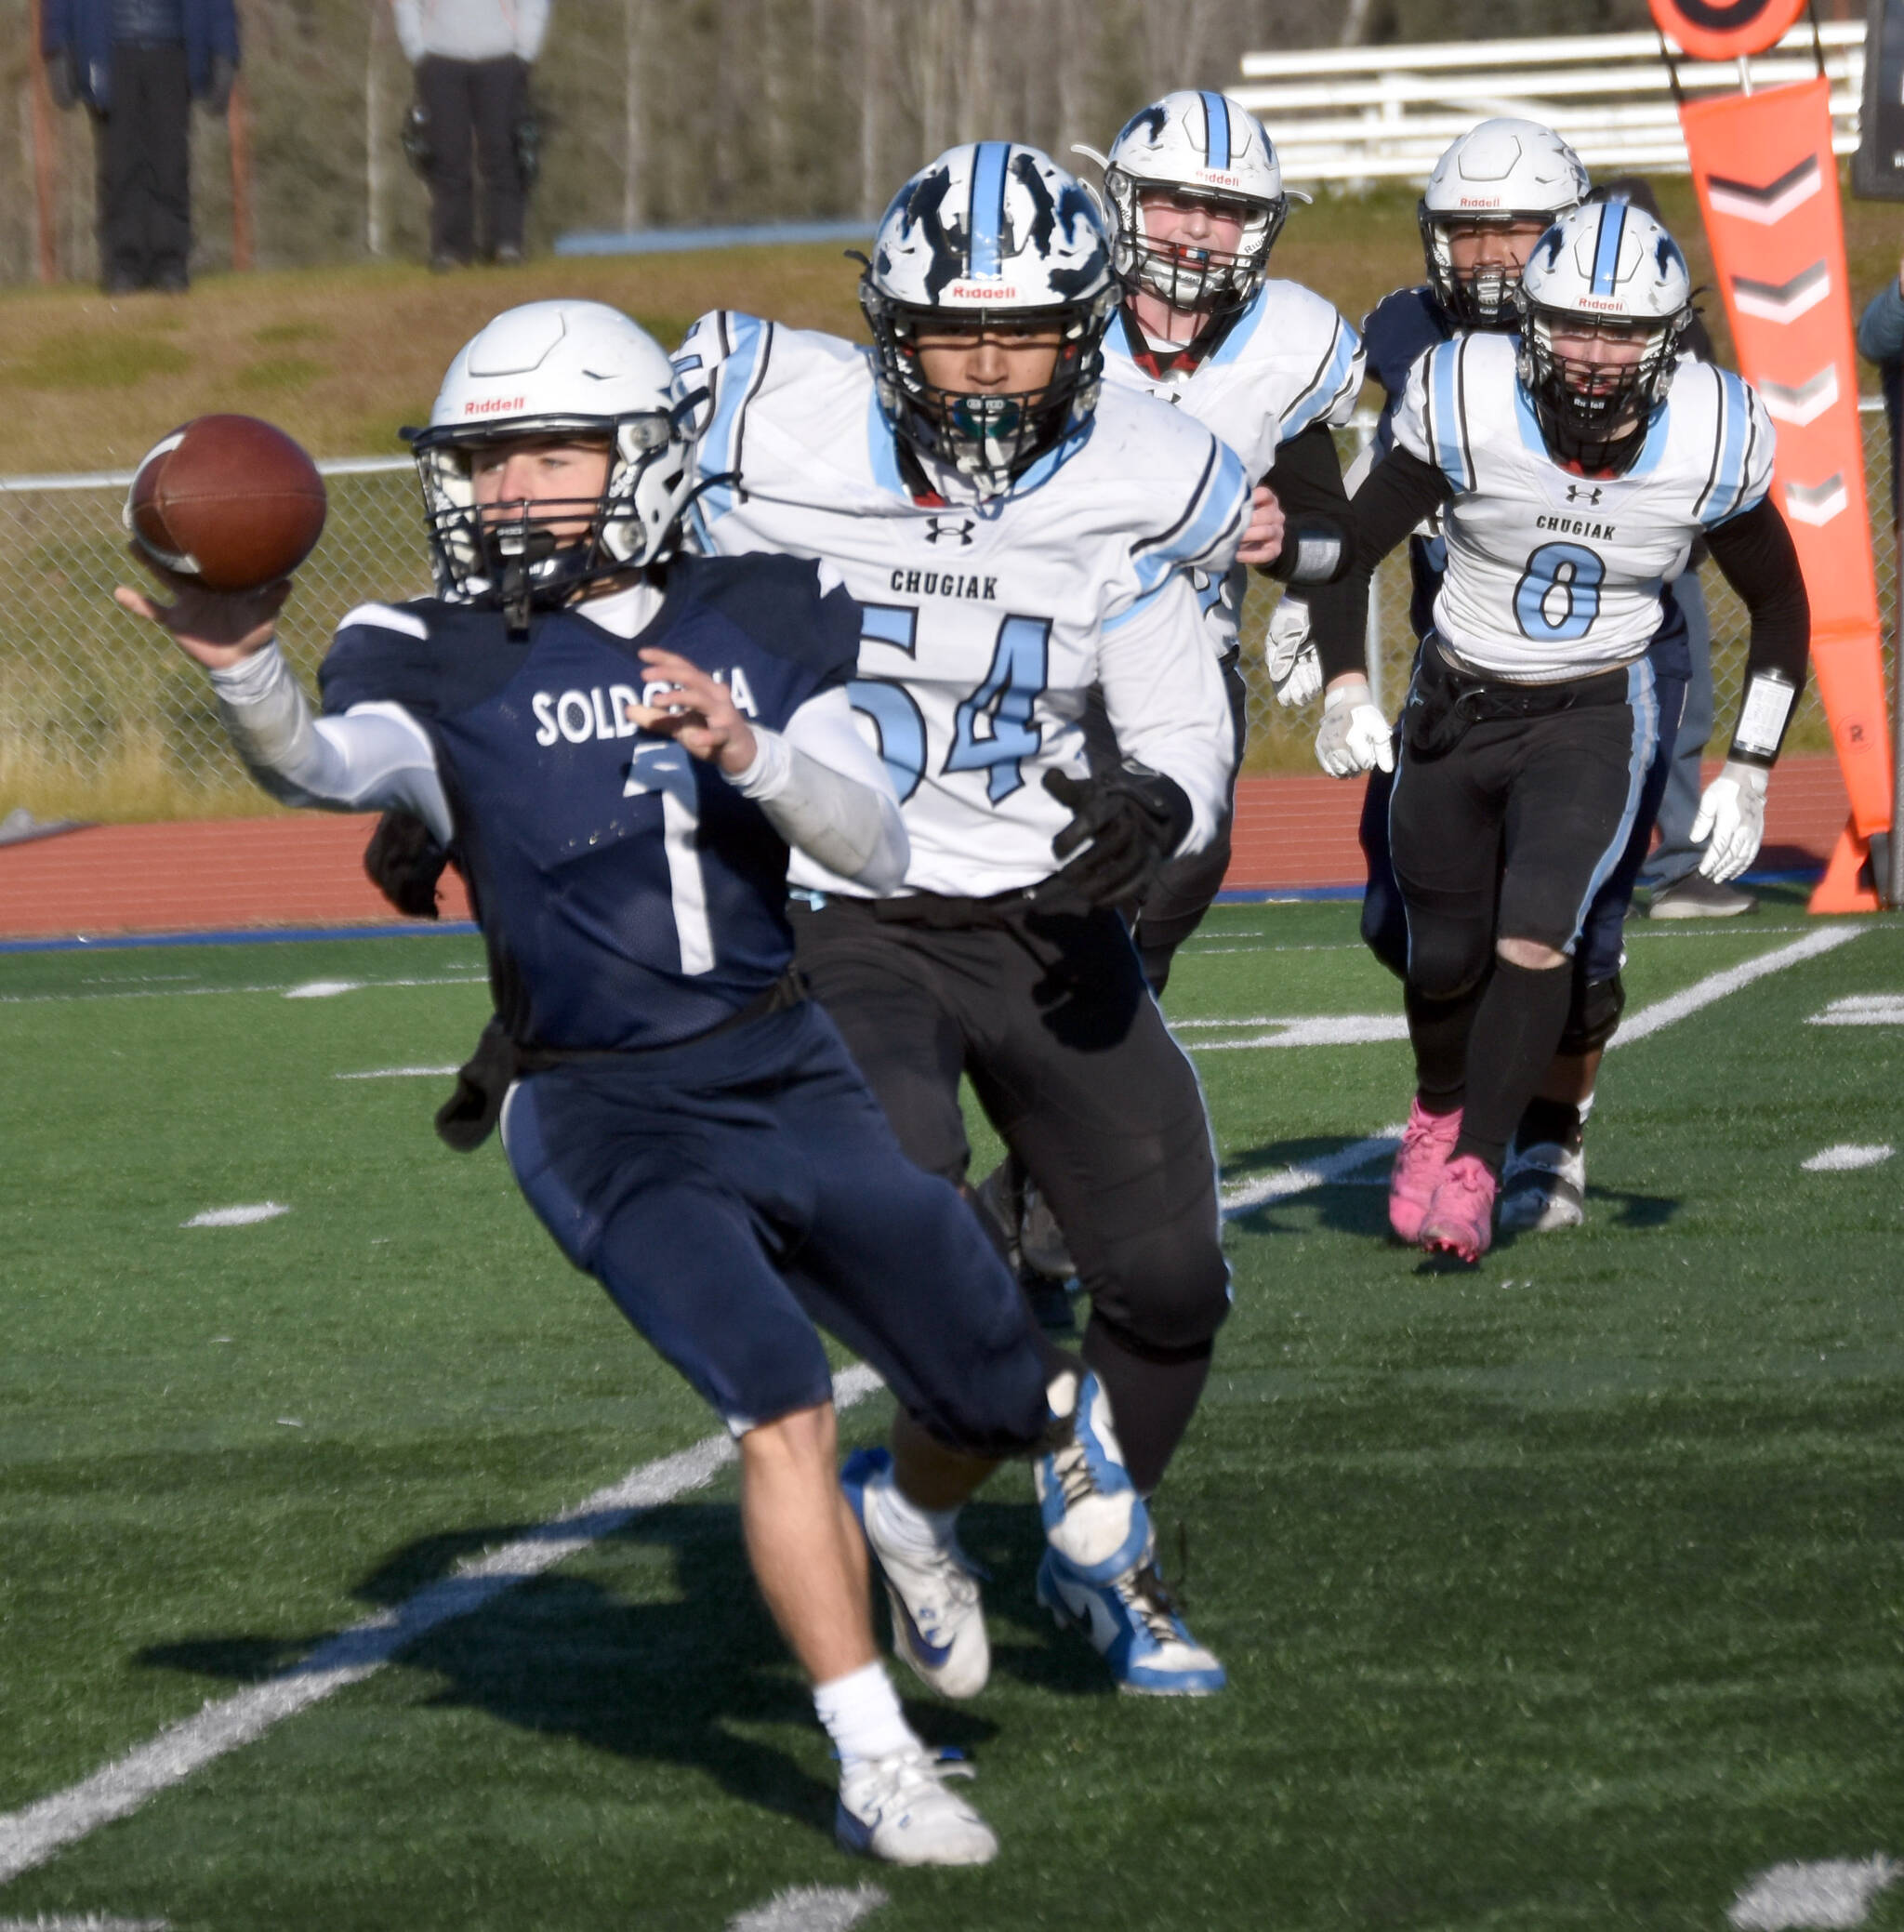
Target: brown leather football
point(228, 500)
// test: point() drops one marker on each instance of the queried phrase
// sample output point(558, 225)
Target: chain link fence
point(101, 719)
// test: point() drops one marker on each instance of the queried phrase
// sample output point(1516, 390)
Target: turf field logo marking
point(811, 1908)
point(238, 1217)
point(1862, 1009)
point(31, 1836)
point(1828, 1894)
point(1846, 1157)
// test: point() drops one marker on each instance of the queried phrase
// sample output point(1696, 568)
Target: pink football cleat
point(1420, 1162)
point(1461, 1218)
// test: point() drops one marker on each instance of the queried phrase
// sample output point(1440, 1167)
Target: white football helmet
point(1194, 143)
point(1611, 269)
point(992, 233)
point(561, 369)
point(1502, 171)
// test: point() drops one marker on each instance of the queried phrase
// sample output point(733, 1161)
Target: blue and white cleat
point(900, 1810)
point(1094, 1519)
point(938, 1622)
point(1134, 1627)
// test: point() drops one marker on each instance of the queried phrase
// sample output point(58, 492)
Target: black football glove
point(1132, 819)
point(405, 863)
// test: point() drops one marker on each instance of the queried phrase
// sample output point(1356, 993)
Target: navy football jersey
point(629, 895)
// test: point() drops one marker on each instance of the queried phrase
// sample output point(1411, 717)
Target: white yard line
point(84, 1922)
point(400, 1073)
point(1722, 985)
point(282, 990)
point(31, 1836)
point(1284, 1181)
point(1827, 1893)
point(811, 1908)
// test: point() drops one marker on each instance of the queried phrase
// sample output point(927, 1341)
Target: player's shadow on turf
point(1355, 1204)
point(683, 1678)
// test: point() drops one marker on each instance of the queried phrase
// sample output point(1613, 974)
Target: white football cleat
point(1134, 1625)
point(899, 1809)
point(1094, 1519)
point(1544, 1188)
point(938, 1622)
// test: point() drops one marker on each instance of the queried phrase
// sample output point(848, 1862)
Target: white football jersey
point(985, 623)
point(1289, 361)
point(1552, 575)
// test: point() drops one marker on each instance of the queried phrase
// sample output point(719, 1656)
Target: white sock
point(903, 1524)
point(1584, 1108)
point(862, 1716)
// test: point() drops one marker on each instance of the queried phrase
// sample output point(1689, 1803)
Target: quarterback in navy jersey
point(620, 745)
point(1019, 534)
point(1572, 465)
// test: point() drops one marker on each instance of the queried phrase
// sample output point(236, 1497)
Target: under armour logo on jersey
point(1593, 494)
point(960, 527)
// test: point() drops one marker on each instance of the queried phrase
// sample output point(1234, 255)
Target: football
point(229, 501)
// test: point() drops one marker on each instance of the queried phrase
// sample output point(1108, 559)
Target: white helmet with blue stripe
point(1502, 172)
point(1201, 145)
point(1611, 274)
point(993, 234)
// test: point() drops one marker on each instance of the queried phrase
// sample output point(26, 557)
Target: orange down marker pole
point(1767, 184)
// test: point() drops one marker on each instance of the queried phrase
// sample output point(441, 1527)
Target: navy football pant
point(730, 1194)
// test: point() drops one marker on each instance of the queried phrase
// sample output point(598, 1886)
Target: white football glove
point(1354, 736)
point(1293, 662)
point(1732, 809)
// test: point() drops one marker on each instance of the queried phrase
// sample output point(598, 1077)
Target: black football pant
point(1187, 888)
point(473, 107)
point(143, 149)
point(1511, 833)
point(1049, 1018)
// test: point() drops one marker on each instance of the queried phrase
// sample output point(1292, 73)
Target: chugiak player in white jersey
point(1016, 537)
point(1573, 466)
point(1197, 200)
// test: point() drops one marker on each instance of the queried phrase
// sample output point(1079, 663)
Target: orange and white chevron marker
point(1767, 184)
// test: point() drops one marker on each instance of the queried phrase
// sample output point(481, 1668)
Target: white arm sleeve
point(532, 29)
point(826, 790)
point(374, 757)
point(1164, 691)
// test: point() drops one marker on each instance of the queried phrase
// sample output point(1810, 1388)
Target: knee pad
point(1594, 1014)
point(1447, 965)
point(1167, 1297)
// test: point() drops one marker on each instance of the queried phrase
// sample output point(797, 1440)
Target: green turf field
point(1566, 1591)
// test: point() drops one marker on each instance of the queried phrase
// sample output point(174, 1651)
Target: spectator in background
point(472, 59)
point(1671, 874)
point(139, 65)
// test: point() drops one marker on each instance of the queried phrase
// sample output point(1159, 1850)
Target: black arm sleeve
point(1756, 555)
point(1399, 492)
point(1307, 481)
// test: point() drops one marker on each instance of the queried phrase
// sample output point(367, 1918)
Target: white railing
point(1356, 114)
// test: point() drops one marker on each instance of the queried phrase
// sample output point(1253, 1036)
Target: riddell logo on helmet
point(1480, 201)
point(1218, 179)
point(981, 292)
point(495, 406)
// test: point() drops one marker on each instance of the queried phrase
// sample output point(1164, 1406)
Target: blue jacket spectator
point(1881, 340)
point(81, 33)
point(138, 65)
